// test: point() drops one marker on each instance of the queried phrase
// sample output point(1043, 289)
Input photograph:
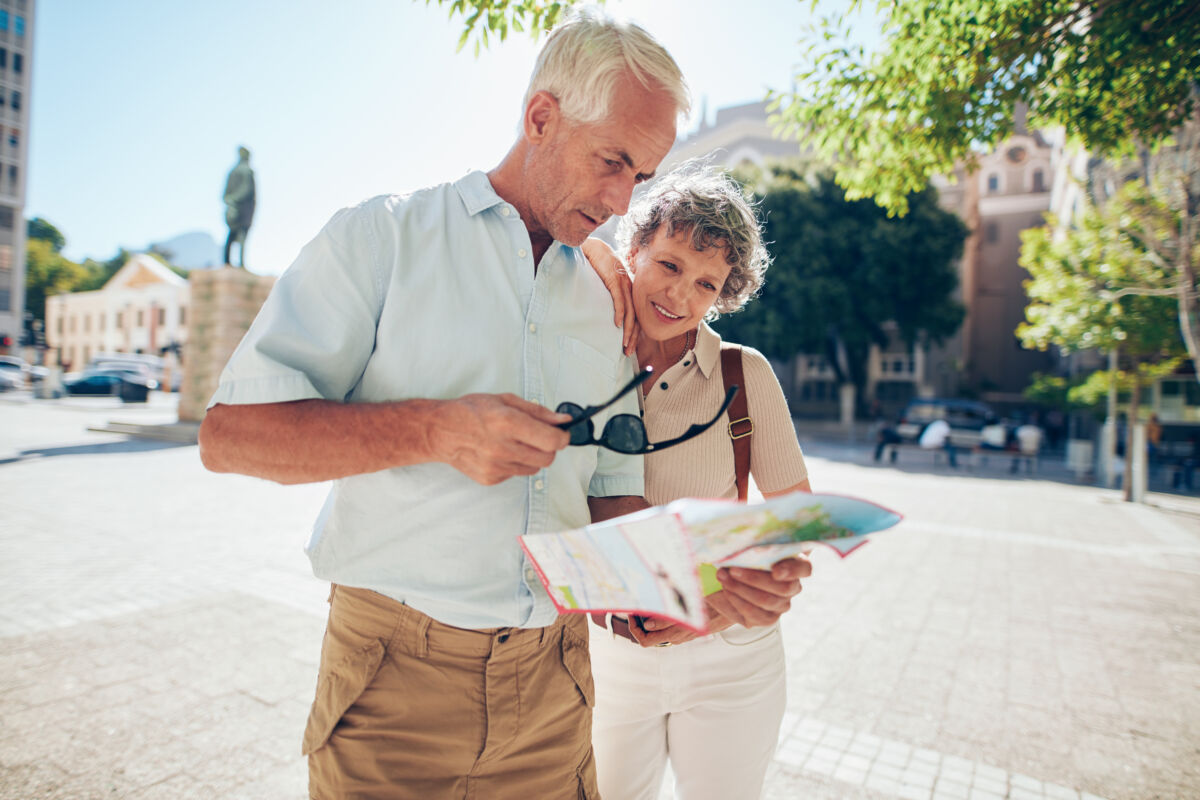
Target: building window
point(120, 320)
point(3, 20)
point(141, 318)
point(12, 177)
point(18, 63)
point(1039, 181)
point(182, 315)
point(87, 352)
point(993, 183)
point(103, 319)
point(87, 323)
point(162, 316)
point(14, 139)
point(72, 324)
point(6, 253)
point(20, 26)
point(992, 233)
point(3, 58)
point(16, 100)
point(60, 326)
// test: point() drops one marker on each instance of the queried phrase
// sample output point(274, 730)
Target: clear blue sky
point(138, 107)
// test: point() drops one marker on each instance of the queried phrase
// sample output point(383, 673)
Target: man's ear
point(542, 116)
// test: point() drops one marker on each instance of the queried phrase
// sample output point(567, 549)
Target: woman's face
point(674, 285)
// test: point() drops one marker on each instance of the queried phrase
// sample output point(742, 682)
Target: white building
point(142, 309)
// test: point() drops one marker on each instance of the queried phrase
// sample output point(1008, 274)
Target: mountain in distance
point(191, 250)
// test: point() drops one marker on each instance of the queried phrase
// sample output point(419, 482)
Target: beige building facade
point(141, 309)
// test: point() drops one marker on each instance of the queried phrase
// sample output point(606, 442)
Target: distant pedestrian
point(936, 436)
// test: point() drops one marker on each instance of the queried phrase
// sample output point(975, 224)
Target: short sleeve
point(316, 331)
point(776, 461)
point(617, 474)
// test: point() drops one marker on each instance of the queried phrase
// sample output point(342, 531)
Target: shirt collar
point(476, 192)
point(708, 348)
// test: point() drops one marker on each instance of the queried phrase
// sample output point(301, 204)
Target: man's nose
point(617, 193)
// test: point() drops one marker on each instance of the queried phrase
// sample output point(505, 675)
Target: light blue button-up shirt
point(435, 295)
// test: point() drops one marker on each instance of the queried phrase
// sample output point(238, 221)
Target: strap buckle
point(742, 434)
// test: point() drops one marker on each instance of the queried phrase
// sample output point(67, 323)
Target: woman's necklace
point(689, 341)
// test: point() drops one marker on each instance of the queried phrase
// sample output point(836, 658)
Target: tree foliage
point(486, 20)
point(948, 77)
point(38, 228)
point(1100, 285)
point(48, 272)
point(842, 270)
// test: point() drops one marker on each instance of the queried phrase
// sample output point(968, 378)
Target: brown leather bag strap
point(741, 427)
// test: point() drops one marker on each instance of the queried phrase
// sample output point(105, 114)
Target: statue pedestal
point(223, 304)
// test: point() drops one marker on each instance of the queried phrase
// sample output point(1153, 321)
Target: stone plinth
point(223, 304)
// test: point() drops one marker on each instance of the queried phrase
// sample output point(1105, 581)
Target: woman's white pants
point(712, 706)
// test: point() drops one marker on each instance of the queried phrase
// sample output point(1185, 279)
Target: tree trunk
point(1135, 401)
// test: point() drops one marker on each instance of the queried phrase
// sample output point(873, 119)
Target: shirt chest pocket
point(585, 376)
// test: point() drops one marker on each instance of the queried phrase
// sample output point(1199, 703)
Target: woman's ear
point(631, 261)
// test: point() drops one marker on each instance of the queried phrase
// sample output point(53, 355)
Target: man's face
point(583, 174)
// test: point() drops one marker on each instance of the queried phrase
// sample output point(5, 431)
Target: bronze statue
point(239, 205)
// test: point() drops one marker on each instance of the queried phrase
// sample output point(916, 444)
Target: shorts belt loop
point(421, 639)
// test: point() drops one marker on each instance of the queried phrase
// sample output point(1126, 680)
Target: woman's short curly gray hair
point(712, 209)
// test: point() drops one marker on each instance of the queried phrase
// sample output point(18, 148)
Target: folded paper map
point(662, 561)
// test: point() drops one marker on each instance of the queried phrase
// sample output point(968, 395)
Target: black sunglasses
point(626, 433)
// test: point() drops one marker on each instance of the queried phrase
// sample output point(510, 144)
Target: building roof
point(143, 270)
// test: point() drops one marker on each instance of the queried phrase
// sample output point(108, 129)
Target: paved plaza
point(1012, 638)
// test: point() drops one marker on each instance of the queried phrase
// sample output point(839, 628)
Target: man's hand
point(653, 631)
point(616, 279)
point(493, 437)
point(755, 597)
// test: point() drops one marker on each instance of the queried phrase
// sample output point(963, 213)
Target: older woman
point(710, 705)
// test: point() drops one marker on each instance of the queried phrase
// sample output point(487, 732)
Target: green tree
point(1080, 296)
point(948, 77)
point(842, 270)
point(38, 228)
point(48, 272)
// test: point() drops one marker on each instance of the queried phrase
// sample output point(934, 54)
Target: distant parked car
point(10, 380)
point(128, 384)
point(966, 419)
point(14, 365)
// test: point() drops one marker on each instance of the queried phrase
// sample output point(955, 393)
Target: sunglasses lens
point(625, 433)
point(581, 432)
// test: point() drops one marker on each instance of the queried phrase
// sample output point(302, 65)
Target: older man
point(412, 353)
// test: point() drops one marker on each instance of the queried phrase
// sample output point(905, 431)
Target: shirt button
point(686, 363)
point(521, 253)
point(505, 211)
point(663, 385)
point(502, 638)
point(532, 327)
point(538, 484)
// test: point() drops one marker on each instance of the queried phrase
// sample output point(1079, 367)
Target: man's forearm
point(316, 440)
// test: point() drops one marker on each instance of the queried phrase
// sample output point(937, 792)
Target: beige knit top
point(691, 391)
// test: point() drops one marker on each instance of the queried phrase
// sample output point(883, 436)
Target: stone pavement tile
point(26, 781)
point(288, 782)
point(179, 787)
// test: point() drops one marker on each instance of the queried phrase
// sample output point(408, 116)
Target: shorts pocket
point(342, 681)
point(589, 787)
point(578, 665)
point(737, 636)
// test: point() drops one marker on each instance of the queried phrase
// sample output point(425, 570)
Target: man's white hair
point(587, 55)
